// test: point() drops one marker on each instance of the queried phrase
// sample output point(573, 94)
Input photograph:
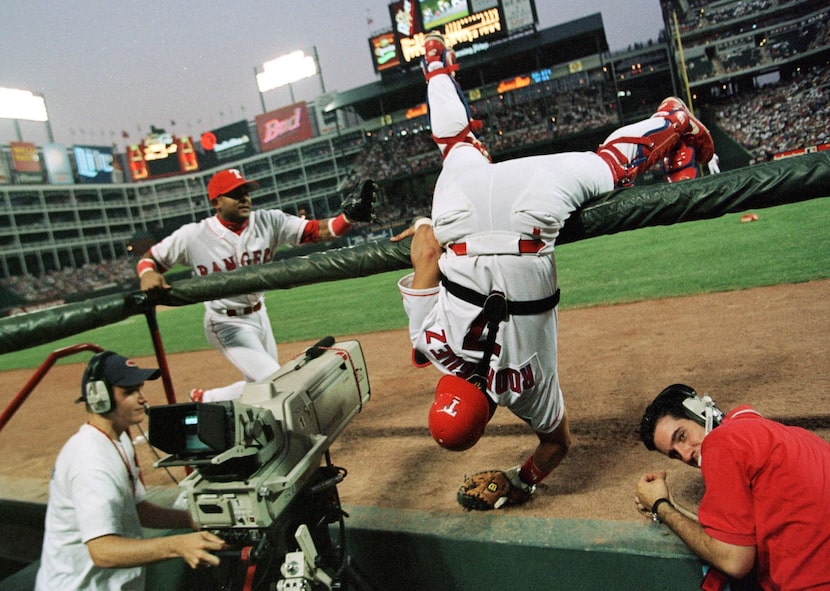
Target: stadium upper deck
point(56, 226)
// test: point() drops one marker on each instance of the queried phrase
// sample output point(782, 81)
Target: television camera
point(258, 477)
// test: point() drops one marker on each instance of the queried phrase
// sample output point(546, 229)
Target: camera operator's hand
point(112, 551)
point(196, 549)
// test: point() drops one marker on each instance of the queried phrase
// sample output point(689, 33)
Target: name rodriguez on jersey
point(506, 382)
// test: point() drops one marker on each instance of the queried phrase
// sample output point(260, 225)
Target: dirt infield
point(769, 347)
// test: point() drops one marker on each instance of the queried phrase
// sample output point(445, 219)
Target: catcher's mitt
point(359, 203)
point(492, 489)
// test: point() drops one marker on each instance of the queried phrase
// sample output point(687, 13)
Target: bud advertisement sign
point(283, 127)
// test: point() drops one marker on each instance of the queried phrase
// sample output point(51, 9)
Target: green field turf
point(788, 244)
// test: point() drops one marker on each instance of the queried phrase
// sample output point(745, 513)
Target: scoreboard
point(161, 154)
point(468, 26)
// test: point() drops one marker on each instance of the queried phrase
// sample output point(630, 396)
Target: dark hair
point(668, 403)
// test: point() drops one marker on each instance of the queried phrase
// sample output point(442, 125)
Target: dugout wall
point(413, 551)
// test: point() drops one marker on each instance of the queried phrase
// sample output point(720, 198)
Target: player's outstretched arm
point(151, 278)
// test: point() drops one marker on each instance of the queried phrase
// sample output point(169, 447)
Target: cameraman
point(766, 506)
point(97, 501)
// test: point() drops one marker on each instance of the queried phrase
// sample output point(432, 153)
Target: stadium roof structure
point(505, 59)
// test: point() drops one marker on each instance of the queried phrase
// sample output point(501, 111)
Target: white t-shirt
point(91, 494)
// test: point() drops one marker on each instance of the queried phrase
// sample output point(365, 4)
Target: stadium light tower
point(285, 70)
point(21, 104)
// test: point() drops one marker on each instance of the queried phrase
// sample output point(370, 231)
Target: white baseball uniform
point(237, 326)
point(488, 211)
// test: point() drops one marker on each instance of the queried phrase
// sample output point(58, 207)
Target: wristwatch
point(654, 516)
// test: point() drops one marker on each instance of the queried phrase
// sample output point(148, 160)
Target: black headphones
point(700, 409)
point(98, 394)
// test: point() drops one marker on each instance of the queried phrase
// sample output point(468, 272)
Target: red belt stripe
point(525, 247)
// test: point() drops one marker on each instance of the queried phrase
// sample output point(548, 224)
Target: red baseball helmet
point(459, 414)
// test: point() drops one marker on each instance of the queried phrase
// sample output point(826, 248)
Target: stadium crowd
point(508, 123)
point(734, 46)
point(700, 14)
point(786, 116)
point(53, 286)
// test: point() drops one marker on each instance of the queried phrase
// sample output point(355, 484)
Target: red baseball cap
point(225, 181)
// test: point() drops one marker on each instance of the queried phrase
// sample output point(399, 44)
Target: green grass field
point(788, 244)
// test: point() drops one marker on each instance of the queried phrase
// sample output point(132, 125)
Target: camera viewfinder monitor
point(190, 430)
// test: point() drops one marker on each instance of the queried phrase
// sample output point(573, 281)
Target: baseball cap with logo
point(225, 181)
point(115, 370)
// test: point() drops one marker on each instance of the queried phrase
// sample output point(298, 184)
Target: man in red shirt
point(766, 509)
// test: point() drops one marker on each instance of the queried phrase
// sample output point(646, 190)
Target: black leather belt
point(244, 311)
point(517, 307)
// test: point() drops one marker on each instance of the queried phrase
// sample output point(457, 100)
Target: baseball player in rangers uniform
point(482, 298)
point(235, 237)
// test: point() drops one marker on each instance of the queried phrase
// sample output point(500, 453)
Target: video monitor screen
point(435, 13)
point(192, 443)
point(190, 429)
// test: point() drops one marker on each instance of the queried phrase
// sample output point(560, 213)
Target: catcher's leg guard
point(449, 113)
point(635, 148)
point(466, 137)
point(696, 135)
point(438, 58)
point(680, 164)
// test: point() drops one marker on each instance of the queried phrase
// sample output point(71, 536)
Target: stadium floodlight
point(22, 104)
point(287, 69)
point(284, 70)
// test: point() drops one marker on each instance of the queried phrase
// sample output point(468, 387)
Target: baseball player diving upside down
point(234, 237)
point(482, 299)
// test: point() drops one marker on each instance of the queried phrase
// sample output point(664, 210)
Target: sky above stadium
point(109, 68)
